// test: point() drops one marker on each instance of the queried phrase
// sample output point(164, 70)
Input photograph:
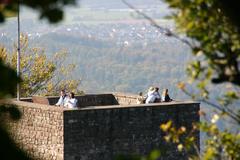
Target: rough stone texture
point(99, 132)
point(96, 99)
point(39, 131)
point(84, 100)
point(125, 99)
point(105, 132)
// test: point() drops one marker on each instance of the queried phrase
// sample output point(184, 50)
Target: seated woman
point(140, 99)
point(71, 102)
point(157, 95)
point(165, 97)
point(152, 95)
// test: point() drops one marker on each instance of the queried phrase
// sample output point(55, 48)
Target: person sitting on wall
point(157, 95)
point(62, 99)
point(152, 95)
point(140, 99)
point(165, 97)
point(71, 101)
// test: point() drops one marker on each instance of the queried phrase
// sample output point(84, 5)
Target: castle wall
point(102, 133)
point(99, 132)
point(125, 99)
point(39, 131)
point(87, 100)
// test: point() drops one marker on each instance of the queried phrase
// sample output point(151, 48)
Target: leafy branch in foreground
point(52, 10)
point(9, 80)
point(212, 27)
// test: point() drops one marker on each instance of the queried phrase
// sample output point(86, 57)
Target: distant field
point(91, 16)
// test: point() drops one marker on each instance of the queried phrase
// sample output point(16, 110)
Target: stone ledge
point(61, 109)
point(124, 95)
point(163, 104)
point(33, 105)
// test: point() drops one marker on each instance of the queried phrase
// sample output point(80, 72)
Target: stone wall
point(98, 99)
point(102, 133)
point(125, 99)
point(86, 100)
point(39, 131)
point(99, 132)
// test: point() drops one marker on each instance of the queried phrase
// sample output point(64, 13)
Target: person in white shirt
point(152, 95)
point(71, 101)
point(62, 99)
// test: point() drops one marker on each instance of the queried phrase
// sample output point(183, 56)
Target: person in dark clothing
point(165, 97)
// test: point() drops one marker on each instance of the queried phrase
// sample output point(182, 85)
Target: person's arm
point(149, 99)
point(72, 103)
point(66, 102)
point(75, 103)
point(59, 102)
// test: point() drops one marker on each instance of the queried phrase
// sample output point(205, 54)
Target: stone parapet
point(39, 131)
point(125, 99)
point(104, 132)
point(98, 131)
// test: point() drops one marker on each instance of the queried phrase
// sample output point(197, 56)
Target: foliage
point(40, 74)
point(50, 9)
point(215, 42)
point(220, 144)
point(7, 87)
point(153, 155)
point(9, 80)
point(217, 39)
point(106, 66)
point(184, 138)
point(216, 46)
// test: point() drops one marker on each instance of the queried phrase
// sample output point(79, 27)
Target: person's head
point(157, 89)
point(151, 89)
point(71, 95)
point(140, 93)
point(165, 92)
point(62, 93)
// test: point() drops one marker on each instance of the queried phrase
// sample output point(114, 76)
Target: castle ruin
point(106, 125)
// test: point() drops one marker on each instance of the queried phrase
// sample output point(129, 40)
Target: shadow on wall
point(89, 100)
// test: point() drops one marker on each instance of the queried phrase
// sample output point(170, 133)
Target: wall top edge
point(32, 105)
point(61, 109)
point(163, 104)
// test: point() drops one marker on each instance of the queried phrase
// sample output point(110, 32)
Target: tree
point(9, 80)
point(52, 10)
point(40, 74)
point(215, 41)
point(212, 31)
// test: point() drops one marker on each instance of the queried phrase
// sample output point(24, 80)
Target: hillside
point(119, 54)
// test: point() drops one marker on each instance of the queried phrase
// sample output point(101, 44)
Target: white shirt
point(61, 101)
point(71, 103)
point(163, 98)
point(152, 96)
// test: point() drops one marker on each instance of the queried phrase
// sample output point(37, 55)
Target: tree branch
point(164, 30)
